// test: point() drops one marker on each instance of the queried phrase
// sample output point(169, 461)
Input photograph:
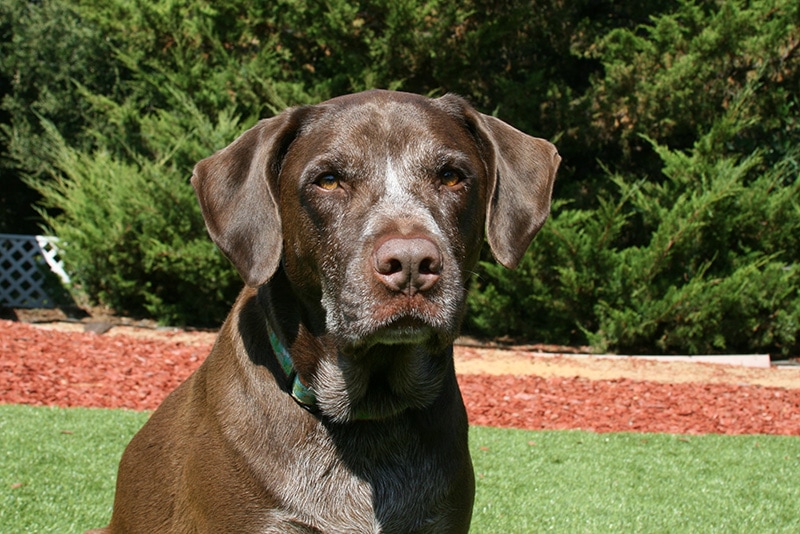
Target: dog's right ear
point(237, 190)
point(524, 170)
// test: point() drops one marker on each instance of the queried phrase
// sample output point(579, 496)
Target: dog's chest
point(399, 491)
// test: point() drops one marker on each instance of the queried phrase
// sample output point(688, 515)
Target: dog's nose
point(408, 265)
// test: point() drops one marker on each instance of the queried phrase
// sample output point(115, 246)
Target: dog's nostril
point(390, 266)
point(429, 266)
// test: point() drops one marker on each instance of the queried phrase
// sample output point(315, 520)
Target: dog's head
point(375, 205)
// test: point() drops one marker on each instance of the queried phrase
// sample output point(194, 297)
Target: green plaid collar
point(303, 394)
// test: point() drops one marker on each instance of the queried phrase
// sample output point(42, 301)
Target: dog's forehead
point(384, 121)
point(379, 104)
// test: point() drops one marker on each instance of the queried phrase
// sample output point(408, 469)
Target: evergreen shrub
point(707, 261)
point(691, 244)
point(132, 234)
point(675, 219)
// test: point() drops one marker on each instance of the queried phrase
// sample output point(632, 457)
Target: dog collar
point(303, 394)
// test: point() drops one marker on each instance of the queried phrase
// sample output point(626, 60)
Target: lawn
point(57, 469)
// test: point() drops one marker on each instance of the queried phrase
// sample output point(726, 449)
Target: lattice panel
point(25, 264)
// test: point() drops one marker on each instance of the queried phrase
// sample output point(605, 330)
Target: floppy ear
point(237, 191)
point(523, 169)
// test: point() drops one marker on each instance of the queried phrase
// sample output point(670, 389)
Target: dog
point(329, 402)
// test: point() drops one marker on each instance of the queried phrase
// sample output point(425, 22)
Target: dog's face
point(383, 207)
point(375, 206)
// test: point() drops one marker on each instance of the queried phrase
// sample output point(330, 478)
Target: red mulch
point(628, 405)
point(47, 367)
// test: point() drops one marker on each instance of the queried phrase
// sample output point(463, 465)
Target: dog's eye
point(449, 178)
point(328, 182)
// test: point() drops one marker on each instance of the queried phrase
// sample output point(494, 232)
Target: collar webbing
point(303, 394)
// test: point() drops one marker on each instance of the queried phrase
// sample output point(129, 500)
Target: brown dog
point(329, 402)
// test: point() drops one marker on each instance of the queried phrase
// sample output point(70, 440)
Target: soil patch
point(67, 364)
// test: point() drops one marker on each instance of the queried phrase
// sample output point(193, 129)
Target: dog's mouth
point(404, 329)
point(393, 350)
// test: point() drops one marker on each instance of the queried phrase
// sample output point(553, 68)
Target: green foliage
point(670, 79)
point(132, 232)
point(692, 243)
point(709, 280)
point(705, 261)
point(675, 223)
point(44, 48)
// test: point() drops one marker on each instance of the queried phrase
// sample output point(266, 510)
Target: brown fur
point(356, 244)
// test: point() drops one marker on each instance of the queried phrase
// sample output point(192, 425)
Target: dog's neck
point(377, 385)
point(297, 383)
point(300, 392)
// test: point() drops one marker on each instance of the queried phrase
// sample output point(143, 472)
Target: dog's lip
point(404, 330)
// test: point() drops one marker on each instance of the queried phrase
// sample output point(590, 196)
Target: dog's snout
point(408, 265)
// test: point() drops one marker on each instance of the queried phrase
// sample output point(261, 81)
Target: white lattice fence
point(25, 261)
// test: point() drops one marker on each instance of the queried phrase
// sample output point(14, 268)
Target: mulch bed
point(48, 367)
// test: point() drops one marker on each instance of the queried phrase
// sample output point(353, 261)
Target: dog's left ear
point(523, 169)
point(237, 191)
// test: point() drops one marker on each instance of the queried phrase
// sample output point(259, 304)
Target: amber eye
point(449, 178)
point(328, 182)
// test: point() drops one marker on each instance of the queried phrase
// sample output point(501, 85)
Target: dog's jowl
point(329, 402)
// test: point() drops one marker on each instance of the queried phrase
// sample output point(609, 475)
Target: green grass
point(57, 470)
point(584, 482)
point(58, 467)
